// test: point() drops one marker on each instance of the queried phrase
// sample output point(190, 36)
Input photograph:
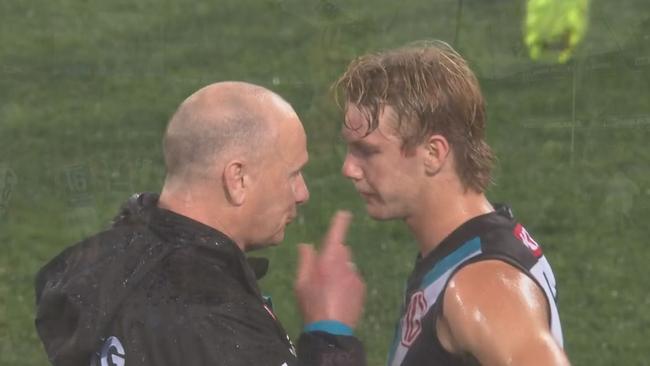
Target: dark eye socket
point(363, 150)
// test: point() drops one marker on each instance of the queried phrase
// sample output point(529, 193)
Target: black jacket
point(161, 289)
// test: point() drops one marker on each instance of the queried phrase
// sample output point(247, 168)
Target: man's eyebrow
point(302, 164)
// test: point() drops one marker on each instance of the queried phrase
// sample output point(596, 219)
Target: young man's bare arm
point(496, 313)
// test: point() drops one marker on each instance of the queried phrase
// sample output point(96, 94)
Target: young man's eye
point(366, 150)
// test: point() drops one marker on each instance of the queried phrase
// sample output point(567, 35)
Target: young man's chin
point(378, 213)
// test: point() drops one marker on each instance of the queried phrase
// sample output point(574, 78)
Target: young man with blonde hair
point(481, 291)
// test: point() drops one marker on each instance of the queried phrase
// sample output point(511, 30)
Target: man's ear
point(234, 182)
point(436, 154)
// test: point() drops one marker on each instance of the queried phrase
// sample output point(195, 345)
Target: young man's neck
point(440, 216)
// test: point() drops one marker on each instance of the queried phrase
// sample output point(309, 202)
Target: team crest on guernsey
point(412, 321)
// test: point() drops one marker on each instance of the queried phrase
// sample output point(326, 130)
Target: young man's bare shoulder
point(499, 315)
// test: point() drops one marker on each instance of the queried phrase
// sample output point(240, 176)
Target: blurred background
point(87, 86)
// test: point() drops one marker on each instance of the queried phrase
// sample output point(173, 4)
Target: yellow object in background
point(554, 28)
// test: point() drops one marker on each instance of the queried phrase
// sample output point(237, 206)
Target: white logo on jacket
point(112, 353)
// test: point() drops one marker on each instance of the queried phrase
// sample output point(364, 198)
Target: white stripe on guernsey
point(431, 293)
point(544, 276)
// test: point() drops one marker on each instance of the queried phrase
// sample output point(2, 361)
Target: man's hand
point(328, 286)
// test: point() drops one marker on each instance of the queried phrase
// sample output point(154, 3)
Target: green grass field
point(86, 88)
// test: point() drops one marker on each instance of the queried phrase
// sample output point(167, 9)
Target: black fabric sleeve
point(228, 334)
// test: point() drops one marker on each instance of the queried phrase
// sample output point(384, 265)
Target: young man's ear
point(436, 154)
point(234, 182)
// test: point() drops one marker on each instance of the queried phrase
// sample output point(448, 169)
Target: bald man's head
point(234, 154)
point(218, 122)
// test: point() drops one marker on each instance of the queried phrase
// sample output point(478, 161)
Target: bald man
point(169, 284)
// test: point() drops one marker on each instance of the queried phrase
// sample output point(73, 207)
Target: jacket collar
point(142, 208)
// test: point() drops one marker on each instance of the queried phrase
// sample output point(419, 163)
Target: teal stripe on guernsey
point(456, 257)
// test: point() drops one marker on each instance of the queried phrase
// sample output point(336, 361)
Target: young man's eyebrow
point(363, 145)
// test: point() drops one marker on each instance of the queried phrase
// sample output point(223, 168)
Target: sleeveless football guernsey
point(493, 236)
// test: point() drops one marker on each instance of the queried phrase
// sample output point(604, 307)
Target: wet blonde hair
point(433, 91)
